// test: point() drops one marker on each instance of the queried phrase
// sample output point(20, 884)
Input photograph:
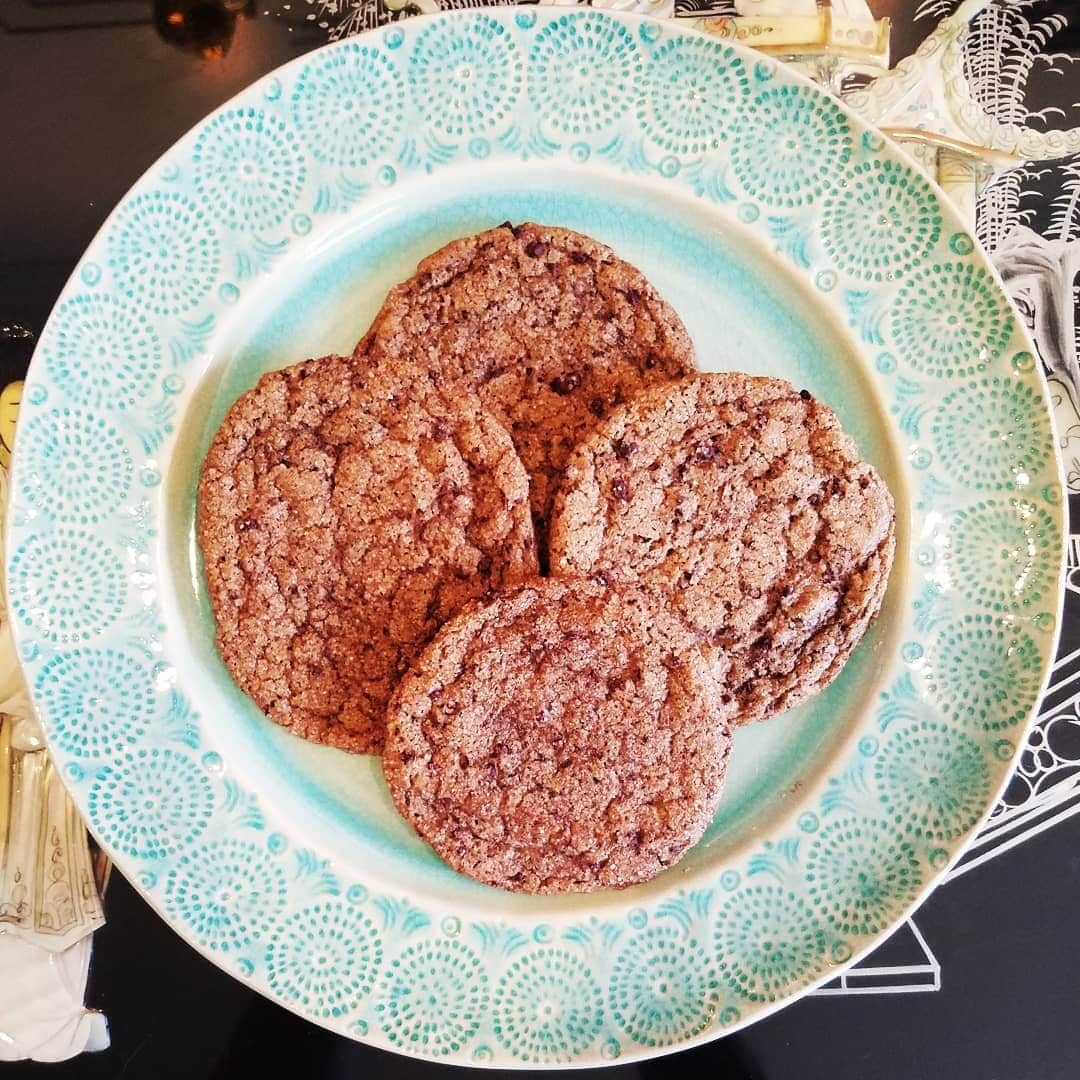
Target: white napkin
point(42, 1016)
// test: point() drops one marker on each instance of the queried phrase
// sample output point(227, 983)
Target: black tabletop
point(91, 93)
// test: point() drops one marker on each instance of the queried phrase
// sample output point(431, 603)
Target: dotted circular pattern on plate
point(983, 672)
point(1027, 542)
point(547, 1007)
point(933, 780)
point(858, 868)
point(96, 702)
point(66, 585)
point(563, 66)
point(950, 320)
point(83, 465)
point(101, 352)
point(691, 89)
point(998, 427)
point(163, 253)
point(883, 223)
point(466, 77)
point(434, 997)
point(663, 987)
point(229, 892)
point(790, 145)
point(153, 804)
point(347, 106)
point(767, 937)
point(325, 958)
point(248, 169)
point(326, 145)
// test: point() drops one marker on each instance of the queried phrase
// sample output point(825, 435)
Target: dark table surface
point(91, 93)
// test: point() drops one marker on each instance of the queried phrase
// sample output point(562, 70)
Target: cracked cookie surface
point(742, 499)
point(343, 515)
point(547, 326)
point(559, 738)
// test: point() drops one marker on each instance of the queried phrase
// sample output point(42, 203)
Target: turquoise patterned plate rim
point(171, 771)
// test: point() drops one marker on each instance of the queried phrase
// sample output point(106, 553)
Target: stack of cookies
point(517, 544)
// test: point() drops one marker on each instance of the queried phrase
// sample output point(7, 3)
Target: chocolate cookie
point(561, 738)
point(550, 328)
point(343, 516)
point(743, 499)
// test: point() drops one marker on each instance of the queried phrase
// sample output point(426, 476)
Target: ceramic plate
point(794, 242)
